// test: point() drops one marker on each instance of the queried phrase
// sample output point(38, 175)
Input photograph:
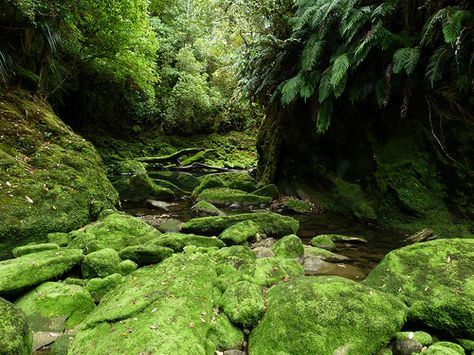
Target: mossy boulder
point(129, 167)
point(243, 303)
point(115, 230)
point(436, 280)
point(204, 209)
point(274, 270)
point(445, 348)
point(272, 224)
point(55, 306)
point(289, 247)
point(101, 263)
point(146, 254)
point(323, 241)
point(185, 181)
point(421, 337)
point(15, 335)
point(270, 190)
point(297, 206)
point(177, 241)
point(20, 274)
point(140, 187)
point(126, 267)
point(223, 196)
point(51, 180)
point(164, 309)
point(326, 315)
point(224, 334)
point(239, 181)
point(59, 238)
point(240, 232)
point(33, 248)
point(98, 287)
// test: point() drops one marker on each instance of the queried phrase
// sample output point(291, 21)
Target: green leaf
point(324, 116)
point(325, 86)
point(339, 73)
point(312, 52)
point(436, 65)
point(291, 89)
point(406, 59)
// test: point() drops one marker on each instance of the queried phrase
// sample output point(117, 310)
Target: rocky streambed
point(209, 279)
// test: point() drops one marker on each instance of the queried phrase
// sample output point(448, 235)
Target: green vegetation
point(16, 334)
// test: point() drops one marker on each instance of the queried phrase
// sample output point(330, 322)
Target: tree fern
point(312, 53)
point(436, 65)
point(406, 59)
point(339, 74)
point(291, 89)
point(324, 116)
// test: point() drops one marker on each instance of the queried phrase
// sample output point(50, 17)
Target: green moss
point(238, 181)
point(324, 254)
point(272, 224)
point(20, 274)
point(466, 344)
point(185, 181)
point(101, 263)
point(196, 157)
point(330, 314)
point(297, 206)
point(166, 309)
point(289, 247)
point(224, 197)
point(61, 239)
point(421, 337)
point(170, 186)
point(274, 270)
point(240, 232)
point(224, 334)
point(56, 180)
point(98, 287)
point(353, 199)
point(445, 348)
point(323, 241)
point(129, 166)
point(33, 248)
point(140, 188)
point(243, 303)
point(126, 267)
point(62, 344)
point(177, 241)
point(15, 334)
point(270, 190)
point(204, 209)
point(435, 279)
point(146, 254)
point(54, 306)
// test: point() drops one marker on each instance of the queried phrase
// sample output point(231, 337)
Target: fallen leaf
point(28, 199)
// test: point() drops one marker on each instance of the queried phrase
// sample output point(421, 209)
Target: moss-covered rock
point(185, 181)
point(466, 344)
point(177, 241)
point(330, 315)
point(274, 270)
point(113, 230)
point(163, 309)
point(33, 248)
point(239, 181)
point(289, 247)
point(297, 206)
point(98, 287)
point(445, 348)
point(436, 280)
point(59, 238)
point(126, 267)
point(146, 254)
point(20, 274)
point(51, 180)
point(421, 337)
point(323, 241)
point(205, 209)
point(129, 167)
point(15, 334)
point(240, 232)
point(270, 190)
point(55, 306)
point(324, 254)
point(224, 334)
point(243, 303)
point(140, 187)
point(101, 263)
point(272, 224)
point(223, 196)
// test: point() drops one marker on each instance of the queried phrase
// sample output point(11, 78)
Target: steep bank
point(51, 179)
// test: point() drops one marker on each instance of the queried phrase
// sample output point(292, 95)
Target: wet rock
point(421, 236)
point(263, 252)
point(160, 205)
point(272, 224)
point(324, 254)
point(146, 254)
point(223, 196)
point(406, 347)
point(205, 209)
point(289, 247)
point(28, 271)
point(436, 280)
point(55, 306)
point(15, 335)
point(332, 314)
point(101, 263)
point(313, 264)
point(240, 232)
point(33, 248)
point(243, 303)
point(264, 242)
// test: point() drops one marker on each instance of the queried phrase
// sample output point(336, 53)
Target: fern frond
point(406, 59)
point(436, 65)
point(312, 52)
point(5, 66)
point(339, 74)
point(452, 25)
point(380, 93)
point(351, 25)
point(324, 116)
point(309, 84)
point(290, 89)
point(429, 29)
point(325, 86)
point(383, 10)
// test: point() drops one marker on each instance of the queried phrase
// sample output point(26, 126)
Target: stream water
point(363, 257)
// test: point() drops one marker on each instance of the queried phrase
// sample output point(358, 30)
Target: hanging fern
point(291, 89)
point(325, 86)
point(339, 74)
point(436, 65)
point(324, 116)
point(312, 52)
point(406, 59)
